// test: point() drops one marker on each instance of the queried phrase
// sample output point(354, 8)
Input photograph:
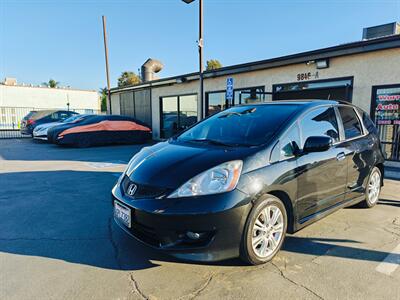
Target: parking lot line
point(106, 164)
point(391, 262)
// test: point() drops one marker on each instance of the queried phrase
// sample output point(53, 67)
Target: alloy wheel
point(267, 231)
point(374, 187)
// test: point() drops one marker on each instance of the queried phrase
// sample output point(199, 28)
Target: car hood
point(46, 126)
point(55, 130)
point(169, 164)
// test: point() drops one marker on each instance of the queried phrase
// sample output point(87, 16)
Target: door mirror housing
point(317, 144)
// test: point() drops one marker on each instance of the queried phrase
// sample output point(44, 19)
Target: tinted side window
point(42, 114)
point(290, 142)
point(54, 116)
point(64, 115)
point(319, 122)
point(368, 123)
point(351, 125)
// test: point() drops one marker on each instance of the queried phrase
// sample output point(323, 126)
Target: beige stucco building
point(363, 73)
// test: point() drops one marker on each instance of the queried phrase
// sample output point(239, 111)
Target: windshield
point(241, 126)
point(74, 118)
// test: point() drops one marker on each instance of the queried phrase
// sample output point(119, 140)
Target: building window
point(329, 89)
point(216, 101)
point(177, 114)
point(385, 110)
point(250, 95)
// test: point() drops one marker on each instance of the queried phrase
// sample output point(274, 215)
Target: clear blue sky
point(42, 39)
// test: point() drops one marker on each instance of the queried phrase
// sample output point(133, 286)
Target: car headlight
point(222, 178)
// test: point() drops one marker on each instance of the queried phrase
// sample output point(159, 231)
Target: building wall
point(42, 97)
point(115, 105)
point(368, 69)
point(374, 68)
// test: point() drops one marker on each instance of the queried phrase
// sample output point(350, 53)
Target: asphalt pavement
point(58, 241)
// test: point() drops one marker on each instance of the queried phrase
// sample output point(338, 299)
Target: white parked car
point(40, 132)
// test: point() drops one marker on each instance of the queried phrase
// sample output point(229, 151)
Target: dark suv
point(35, 118)
point(235, 183)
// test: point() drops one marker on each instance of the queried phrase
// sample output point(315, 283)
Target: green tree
point(128, 78)
point(213, 64)
point(51, 83)
point(104, 94)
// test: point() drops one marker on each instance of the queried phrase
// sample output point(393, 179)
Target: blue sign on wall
point(229, 88)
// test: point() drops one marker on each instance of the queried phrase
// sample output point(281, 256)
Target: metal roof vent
point(149, 68)
point(381, 30)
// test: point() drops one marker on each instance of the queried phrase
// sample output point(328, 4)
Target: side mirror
point(317, 144)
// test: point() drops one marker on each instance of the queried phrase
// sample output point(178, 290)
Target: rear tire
point(265, 231)
point(373, 188)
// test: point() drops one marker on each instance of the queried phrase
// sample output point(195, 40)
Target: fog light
point(193, 235)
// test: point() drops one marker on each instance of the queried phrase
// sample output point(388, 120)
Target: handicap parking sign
point(229, 88)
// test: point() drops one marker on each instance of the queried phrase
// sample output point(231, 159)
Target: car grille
point(142, 191)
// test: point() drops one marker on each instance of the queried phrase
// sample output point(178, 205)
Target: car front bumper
point(26, 131)
point(166, 224)
point(40, 135)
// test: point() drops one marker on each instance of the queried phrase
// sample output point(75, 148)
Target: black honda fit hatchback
point(237, 182)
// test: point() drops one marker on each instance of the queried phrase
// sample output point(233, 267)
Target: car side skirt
point(322, 214)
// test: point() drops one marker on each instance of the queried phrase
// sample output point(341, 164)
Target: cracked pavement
point(58, 241)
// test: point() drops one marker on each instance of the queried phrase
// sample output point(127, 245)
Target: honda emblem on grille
point(131, 189)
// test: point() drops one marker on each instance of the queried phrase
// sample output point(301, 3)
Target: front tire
point(373, 188)
point(265, 231)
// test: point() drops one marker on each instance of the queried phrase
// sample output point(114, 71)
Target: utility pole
point(201, 65)
point(200, 44)
point(106, 56)
point(68, 101)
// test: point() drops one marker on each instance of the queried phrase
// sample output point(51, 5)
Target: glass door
point(216, 102)
point(187, 111)
point(169, 116)
point(177, 114)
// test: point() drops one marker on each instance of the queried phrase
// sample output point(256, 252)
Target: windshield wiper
point(210, 141)
point(230, 115)
point(234, 113)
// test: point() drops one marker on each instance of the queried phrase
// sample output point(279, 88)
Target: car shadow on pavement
point(67, 215)
point(389, 202)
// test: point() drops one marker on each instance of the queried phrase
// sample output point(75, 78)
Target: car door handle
point(340, 156)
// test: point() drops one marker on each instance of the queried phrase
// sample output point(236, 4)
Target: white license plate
point(122, 213)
